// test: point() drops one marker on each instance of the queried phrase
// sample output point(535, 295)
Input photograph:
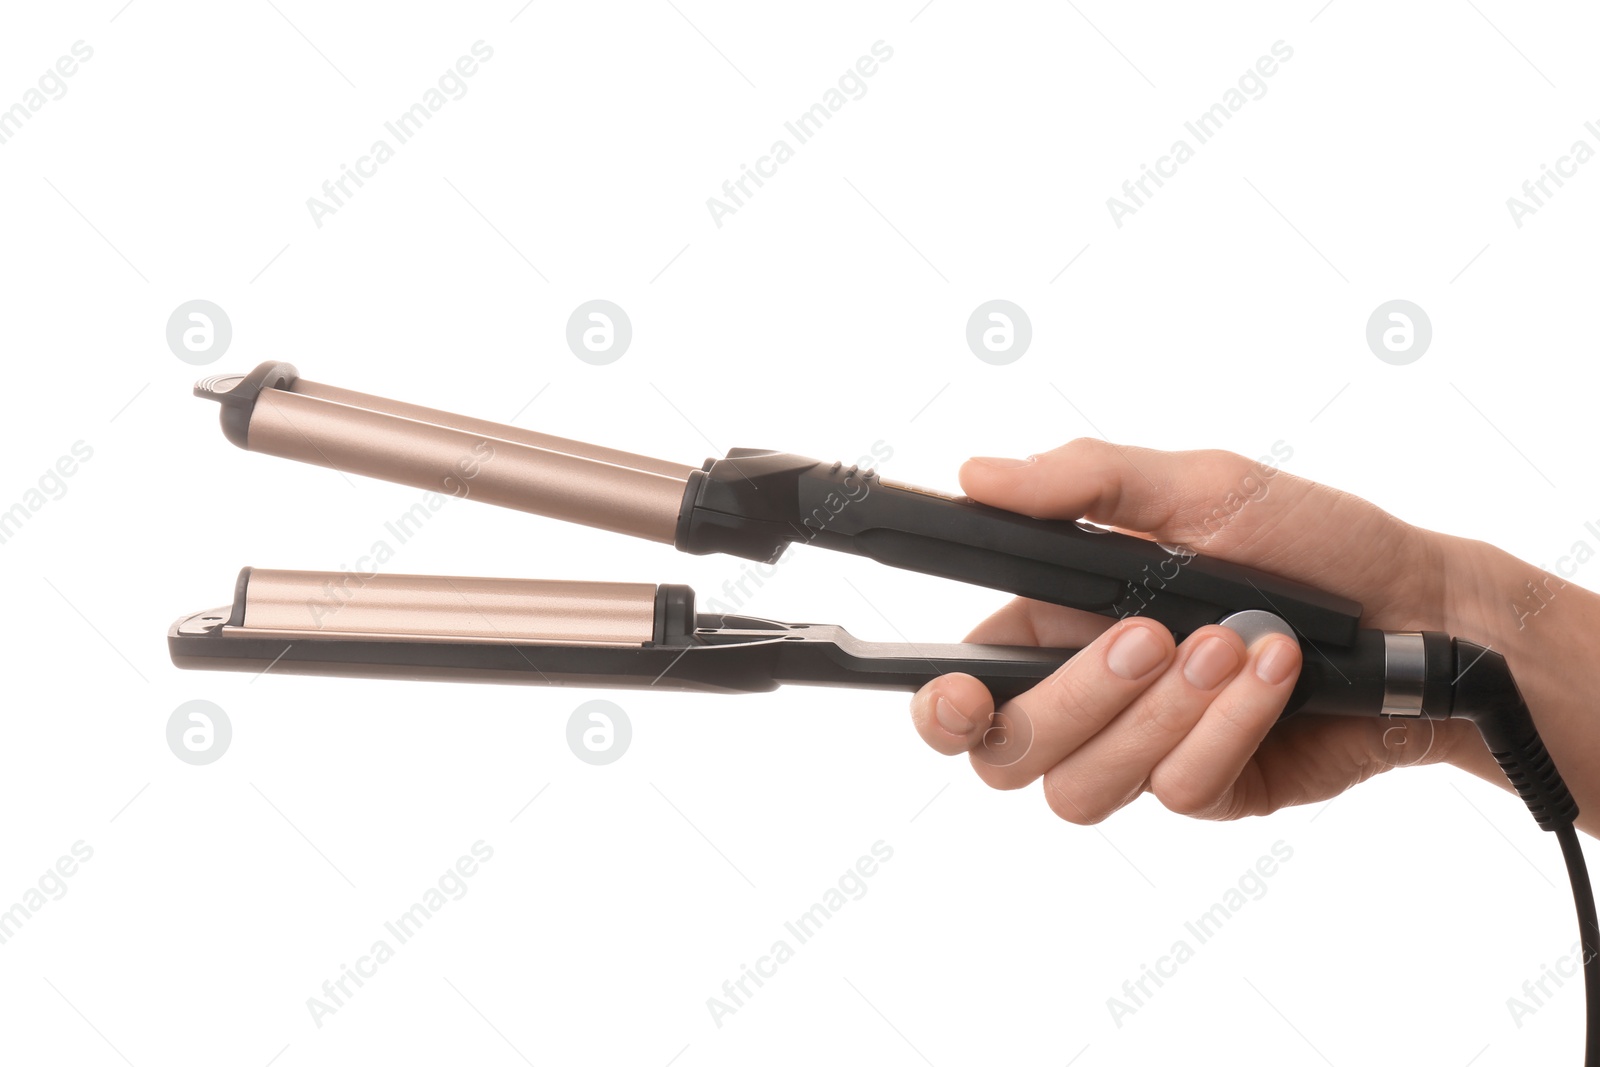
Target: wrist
point(1541, 623)
point(1504, 603)
point(1477, 583)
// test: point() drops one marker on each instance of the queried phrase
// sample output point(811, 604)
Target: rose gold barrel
point(470, 458)
point(515, 434)
point(526, 609)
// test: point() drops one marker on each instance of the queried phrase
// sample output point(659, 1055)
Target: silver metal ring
point(1405, 669)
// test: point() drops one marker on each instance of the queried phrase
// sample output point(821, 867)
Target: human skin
point(1196, 724)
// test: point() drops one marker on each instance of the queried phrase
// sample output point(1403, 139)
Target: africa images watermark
point(1252, 85)
point(51, 85)
point(851, 885)
point(735, 191)
point(451, 85)
point(1536, 191)
point(1251, 885)
point(451, 885)
point(1537, 593)
point(855, 487)
point(1252, 488)
point(51, 885)
point(50, 485)
point(336, 594)
point(1537, 992)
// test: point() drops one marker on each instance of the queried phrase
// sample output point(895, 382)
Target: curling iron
point(754, 503)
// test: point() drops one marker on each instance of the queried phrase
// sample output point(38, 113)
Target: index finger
point(1172, 496)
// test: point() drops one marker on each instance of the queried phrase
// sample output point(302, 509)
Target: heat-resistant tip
point(237, 394)
point(217, 386)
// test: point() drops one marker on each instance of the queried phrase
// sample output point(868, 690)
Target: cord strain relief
point(1534, 776)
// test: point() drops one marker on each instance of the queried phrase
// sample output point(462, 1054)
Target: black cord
point(1589, 930)
point(1502, 717)
point(1515, 744)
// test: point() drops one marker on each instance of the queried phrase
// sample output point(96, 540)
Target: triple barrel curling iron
point(753, 503)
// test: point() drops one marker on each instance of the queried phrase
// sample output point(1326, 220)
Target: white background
point(826, 314)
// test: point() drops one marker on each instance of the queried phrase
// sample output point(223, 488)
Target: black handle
point(754, 503)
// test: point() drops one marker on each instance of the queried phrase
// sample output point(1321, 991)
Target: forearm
point(1548, 629)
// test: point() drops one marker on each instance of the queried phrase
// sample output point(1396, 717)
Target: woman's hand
point(1195, 724)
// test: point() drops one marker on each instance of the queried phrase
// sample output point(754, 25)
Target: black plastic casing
point(1353, 680)
point(753, 503)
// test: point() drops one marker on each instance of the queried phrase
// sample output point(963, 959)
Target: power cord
point(1493, 703)
point(1583, 894)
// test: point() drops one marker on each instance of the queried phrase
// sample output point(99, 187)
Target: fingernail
point(1136, 653)
point(1276, 663)
point(1001, 462)
point(1211, 662)
point(950, 718)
